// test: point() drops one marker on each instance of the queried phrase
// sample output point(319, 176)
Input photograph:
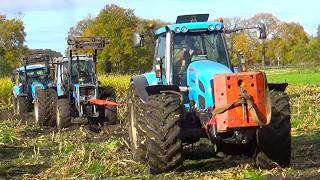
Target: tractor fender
point(139, 83)
point(34, 87)
point(281, 87)
point(157, 89)
point(143, 89)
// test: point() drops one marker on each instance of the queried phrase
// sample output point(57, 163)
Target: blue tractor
point(78, 91)
point(31, 82)
point(193, 92)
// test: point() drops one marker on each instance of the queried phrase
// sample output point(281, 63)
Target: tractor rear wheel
point(274, 140)
point(63, 113)
point(41, 107)
point(108, 114)
point(164, 146)
point(136, 122)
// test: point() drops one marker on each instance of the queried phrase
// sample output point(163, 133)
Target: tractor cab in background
point(77, 87)
point(30, 76)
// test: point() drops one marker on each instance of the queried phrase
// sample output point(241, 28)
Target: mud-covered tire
point(23, 105)
point(63, 113)
point(108, 114)
point(14, 101)
point(164, 146)
point(274, 140)
point(52, 104)
point(136, 124)
point(44, 107)
point(41, 109)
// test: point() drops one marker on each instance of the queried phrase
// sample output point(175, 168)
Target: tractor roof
point(31, 67)
point(191, 26)
point(81, 58)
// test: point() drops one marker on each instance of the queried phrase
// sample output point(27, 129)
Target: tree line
point(12, 47)
point(286, 43)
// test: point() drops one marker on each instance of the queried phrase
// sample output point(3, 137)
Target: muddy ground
point(18, 160)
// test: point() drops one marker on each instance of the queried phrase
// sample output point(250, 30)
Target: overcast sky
point(47, 22)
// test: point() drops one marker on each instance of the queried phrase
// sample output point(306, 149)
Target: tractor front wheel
point(52, 105)
point(23, 105)
point(15, 105)
point(164, 146)
point(63, 113)
point(274, 140)
point(136, 122)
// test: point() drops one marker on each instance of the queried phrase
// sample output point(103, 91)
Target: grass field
point(295, 76)
point(27, 151)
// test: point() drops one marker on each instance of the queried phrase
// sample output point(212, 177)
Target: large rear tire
point(108, 114)
point(274, 140)
point(41, 107)
point(164, 146)
point(63, 113)
point(136, 123)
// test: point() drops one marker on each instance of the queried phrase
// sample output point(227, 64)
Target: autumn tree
point(117, 25)
point(12, 37)
point(81, 26)
point(291, 34)
point(234, 23)
point(271, 23)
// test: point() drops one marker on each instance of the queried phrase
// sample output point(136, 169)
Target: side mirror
point(108, 66)
point(263, 33)
point(138, 39)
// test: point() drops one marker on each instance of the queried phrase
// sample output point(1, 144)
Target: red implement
point(241, 100)
point(101, 102)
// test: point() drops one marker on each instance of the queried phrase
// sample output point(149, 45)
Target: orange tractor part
point(241, 100)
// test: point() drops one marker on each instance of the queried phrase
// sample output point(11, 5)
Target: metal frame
point(81, 44)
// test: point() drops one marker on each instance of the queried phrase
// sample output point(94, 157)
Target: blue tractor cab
point(32, 75)
point(177, 102)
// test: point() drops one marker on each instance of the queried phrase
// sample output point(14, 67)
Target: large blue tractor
point(78, 91)
point(30, 82)
point(193, 92)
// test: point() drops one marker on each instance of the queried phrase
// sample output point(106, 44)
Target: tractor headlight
point(184, 29)
point(211, 27)
point(177, 30)
point(218, 27)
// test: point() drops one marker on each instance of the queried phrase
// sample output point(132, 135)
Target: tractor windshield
point(194, 46)
point(85, 71)
point(34, 75)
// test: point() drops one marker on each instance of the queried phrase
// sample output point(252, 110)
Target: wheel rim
point(36, 111)
point(133, 128)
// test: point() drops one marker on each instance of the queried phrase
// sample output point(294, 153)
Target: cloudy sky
point(48, 21)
